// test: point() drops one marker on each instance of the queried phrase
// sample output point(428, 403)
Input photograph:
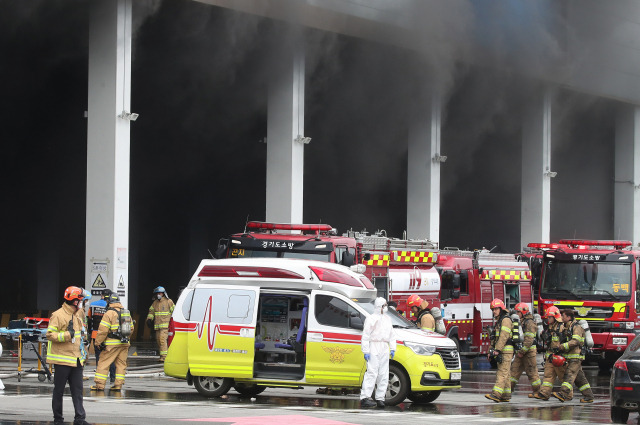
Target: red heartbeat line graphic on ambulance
point(216, 329)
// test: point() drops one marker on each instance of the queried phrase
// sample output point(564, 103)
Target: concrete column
point(423, 180)
point(626, 217)
point(285, 138)
point(536, 170)
point(107, 244)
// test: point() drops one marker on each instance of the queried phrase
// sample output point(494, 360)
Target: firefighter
point(64, 350)
point(551, 338)
point(571, 346)
point(94, 317)
point(158, 318)
point(501, 351)
point(525, 358)
point(378, 344)
point(424, 318)
point(115, 349)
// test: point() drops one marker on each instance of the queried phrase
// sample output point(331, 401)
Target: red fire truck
point(599, 280)
point(460, 283)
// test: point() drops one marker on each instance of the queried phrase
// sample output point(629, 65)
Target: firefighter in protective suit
point(65, 350)
point(158, 319)
point(551, 338)
point(113, 348)
point(501, 351)
point(571, 345)
point(525, 359)
point(418, 307)
point(378, 343)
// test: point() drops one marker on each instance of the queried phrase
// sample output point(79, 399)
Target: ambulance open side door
point(223, 344)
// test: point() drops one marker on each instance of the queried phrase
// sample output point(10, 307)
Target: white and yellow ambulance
point(260, 322)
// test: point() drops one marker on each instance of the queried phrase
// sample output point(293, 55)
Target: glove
point(150, 323)
point(70, 329)
point(367, 357)
point(393, 353)
point(103, 346)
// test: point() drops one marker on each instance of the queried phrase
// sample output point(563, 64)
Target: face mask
point(385, 309)
point(159, 296)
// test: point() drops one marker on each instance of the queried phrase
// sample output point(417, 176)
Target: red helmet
point(557, 360)
point(522, 308)
point(553, 312)
point(498, 304)
point(414, 301)
point(73, 293)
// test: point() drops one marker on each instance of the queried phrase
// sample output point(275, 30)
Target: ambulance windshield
point(397, 320)
point(565, 280)
point(246, 253)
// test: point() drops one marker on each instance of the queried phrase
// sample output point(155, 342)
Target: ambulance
point(253, 323)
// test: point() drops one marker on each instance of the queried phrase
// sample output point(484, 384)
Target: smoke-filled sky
point(197, 164)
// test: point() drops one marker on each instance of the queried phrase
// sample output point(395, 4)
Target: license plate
point(619, 341)
point(456, 376)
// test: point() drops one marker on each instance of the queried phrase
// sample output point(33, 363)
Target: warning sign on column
point(99, 282)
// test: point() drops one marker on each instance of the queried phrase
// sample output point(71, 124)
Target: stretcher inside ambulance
point(255, 323)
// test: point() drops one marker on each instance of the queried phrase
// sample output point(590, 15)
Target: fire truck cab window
point(591, 280)
point(512, 295)
point(332, 311)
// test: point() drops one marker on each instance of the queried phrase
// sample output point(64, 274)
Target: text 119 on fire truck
point(460, 283)
point(596, 278)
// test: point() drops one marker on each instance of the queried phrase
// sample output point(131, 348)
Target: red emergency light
point(248, 271)
point(586, 242)
point(285, 226)
point(328, 275)
point(536, 245)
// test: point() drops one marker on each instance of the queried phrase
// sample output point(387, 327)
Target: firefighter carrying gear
point(572, 343)
point(160, 314)
point(502, 345)
point(525, 358)
point(425, 319)
point(115, 349)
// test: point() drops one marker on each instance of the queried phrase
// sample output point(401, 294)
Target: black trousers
point(62, 375)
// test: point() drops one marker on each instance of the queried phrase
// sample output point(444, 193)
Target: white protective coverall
point(378, 339)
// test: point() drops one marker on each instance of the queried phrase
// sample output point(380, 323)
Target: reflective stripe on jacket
point(503, 330)
point(160, 312)
point(61, 348)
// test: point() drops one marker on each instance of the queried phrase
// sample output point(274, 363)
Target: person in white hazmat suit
point(378, 344)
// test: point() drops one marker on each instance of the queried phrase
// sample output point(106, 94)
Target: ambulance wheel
point(210, 386)
point(423, 397)
point(619, 415)
point(398, 386)
point(41, 377)
point(248, 389)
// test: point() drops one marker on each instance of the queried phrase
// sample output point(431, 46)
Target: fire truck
point(461, 283)
point(599, 280)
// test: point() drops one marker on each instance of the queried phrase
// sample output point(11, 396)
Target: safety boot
point(586, 400)
point(380, 404)
point(115, 388)
point(540, 397)
point(96, 388)
point(559, 396)
point(367, 403)
point(492, 397)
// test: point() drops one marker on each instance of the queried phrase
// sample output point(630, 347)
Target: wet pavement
point(151, 398)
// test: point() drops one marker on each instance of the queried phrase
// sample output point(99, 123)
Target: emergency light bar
point(586, 242)
point(537, 245)
point(247, 271)
point(285, 226)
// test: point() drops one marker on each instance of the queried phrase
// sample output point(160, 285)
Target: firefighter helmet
point(415, 301)
point(557, 360)
point(553, 312)
point(497, 303)
point(73, 293)
point(112, 298)
point(159, 289)
point(522, 308)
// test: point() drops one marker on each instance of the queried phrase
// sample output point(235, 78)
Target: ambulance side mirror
point(347, 259)
point(221, 250)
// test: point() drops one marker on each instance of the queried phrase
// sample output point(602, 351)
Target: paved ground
point(150, 398)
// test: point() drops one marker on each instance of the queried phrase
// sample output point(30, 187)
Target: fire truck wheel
point(210, 386)
point(457, 341)
point(398, 386)
point(424, 397)
point(248, 389)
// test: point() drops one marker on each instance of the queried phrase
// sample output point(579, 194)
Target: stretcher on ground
point(29, 330)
